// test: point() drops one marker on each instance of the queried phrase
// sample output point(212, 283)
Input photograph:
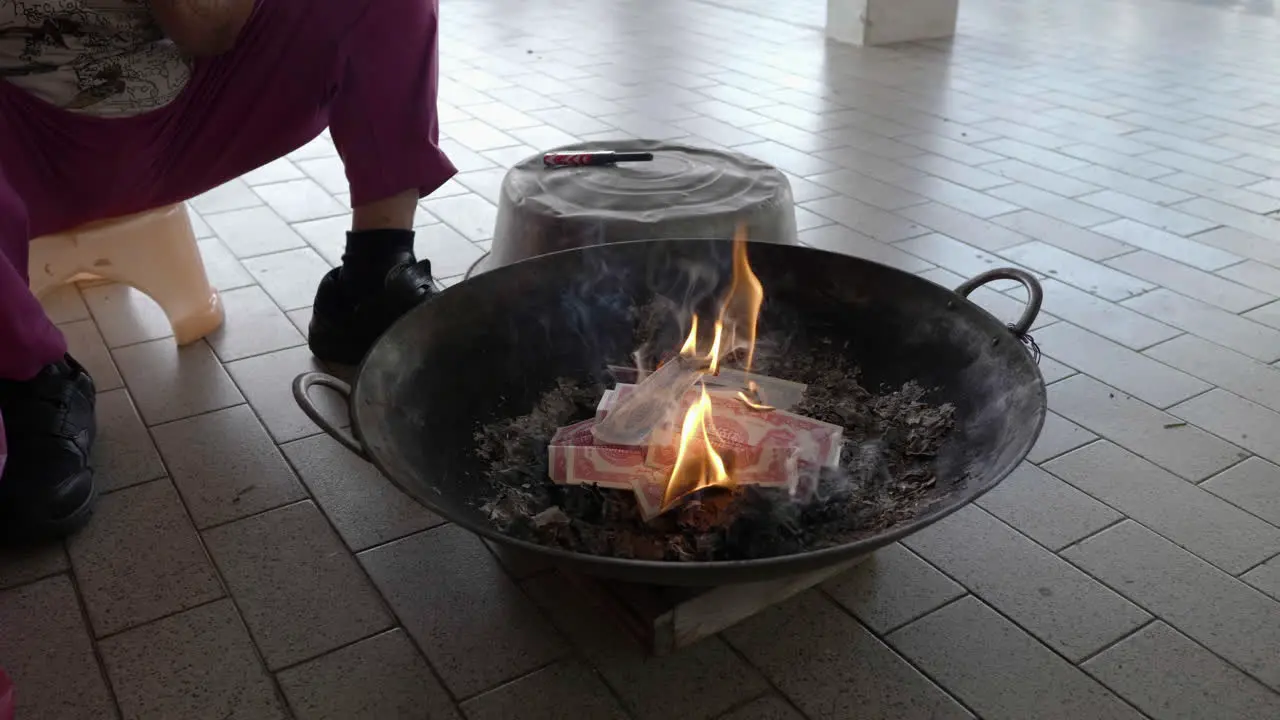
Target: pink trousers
point(367, 69)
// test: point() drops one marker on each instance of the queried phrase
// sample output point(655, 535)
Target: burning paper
point(692, 424)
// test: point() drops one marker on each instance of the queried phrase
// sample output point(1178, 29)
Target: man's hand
point(202, 28)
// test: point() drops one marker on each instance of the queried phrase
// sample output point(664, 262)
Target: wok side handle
point(1035, 297)
point(301, 394)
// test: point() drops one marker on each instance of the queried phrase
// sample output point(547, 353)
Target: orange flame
point(698, 465)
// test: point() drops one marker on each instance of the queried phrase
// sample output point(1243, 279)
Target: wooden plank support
point(666, 619)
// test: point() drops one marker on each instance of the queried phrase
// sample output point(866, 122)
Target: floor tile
point(361, 503)
point(891, 588)
point(299, 200)
point(1256, 275)
point(1151, 191)
point(1112, 160)
point(1265, 577)
point(222, 268)
point(64, 305)
point(1058, 436)
point(301, 594)
point(1231, 195)
point(126, 316)
point(255, 231)
point(1117, 366)
point(1074, 270)
point(1243, 335)
point(1063, 235)
point(1055, 206)
point(1174, 247)
point(1186, 514)
point(328, 172)
point(86, 346)
point(952, 254)
point(470, 214)
point(1111, 320)
point(170, 383)
point(44, 644)
point(254, 326)
point(1045, 509)
point(865, 219)
point(1197, 166)
point(273, 172)
point(1235, 621)
point(840, 239)
point(449, 252)
point(267, 382)
point(289, 277)
point(1167, 675)
point(546, 695)
point(474, 625)
point(381, 677)
point(1220, 214)
point(140, 559)
point(123, 454)
point(1047, 159)
point(1231, 417)
point(982, 234)
point(1203, 286)
point(1163, 439)
point(769, 707)
point(1253, 485)
point(199, 664)
point(225, 466)
point(22, 564)
point(882, 195)
point(702, 681)
point(1063, 607)
point(234, 195)
point(807, 637)
point(1000, 671)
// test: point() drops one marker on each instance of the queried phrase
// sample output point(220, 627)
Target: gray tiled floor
point(242, 565)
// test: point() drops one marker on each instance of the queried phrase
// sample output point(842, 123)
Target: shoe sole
point(331, 345)
point(47, 530)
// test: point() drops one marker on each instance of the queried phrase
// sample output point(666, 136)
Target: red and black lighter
point(602, 157)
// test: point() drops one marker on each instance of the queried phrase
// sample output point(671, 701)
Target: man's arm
point(202, 28)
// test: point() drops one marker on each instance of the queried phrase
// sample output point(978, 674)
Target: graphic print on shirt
point(100, 57)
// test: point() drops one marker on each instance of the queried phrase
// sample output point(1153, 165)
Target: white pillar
point(881, 22)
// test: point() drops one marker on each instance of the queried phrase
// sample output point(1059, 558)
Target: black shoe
point(344, 328)
point(46, 488)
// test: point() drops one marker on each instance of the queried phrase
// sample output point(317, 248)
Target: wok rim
point(724, 572)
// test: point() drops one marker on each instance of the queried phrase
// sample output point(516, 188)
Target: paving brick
point(1231, 417)
point(1157, 216)
point(1052, 600)
point(361, 503)
point(1253, 485)
point(474, 625)
point(1055, 206)
point(1071, 238)
point(1259, 276)
point(1000, 671)
point(1174, 247)
point(891, 588)
point(703, 680)
point(1187, 514)
point(841, 239)
point(1167, 675)
point(140, 559)
point(1265, 577)
point(381, 677)
point(1230, 618)
point(1119, 367)
point(1058, 436)
point(1110, 320)
point(1155, 435)
point(1045, 509)
point(982, 234)
point(199, 664)
point(547, 694)
point(1188, 281)
point(1225, 368)
point(44, 645)
point(806, 638)
point(300, 592)
point(870, 221)
point(1077, 271)
point(225, 466)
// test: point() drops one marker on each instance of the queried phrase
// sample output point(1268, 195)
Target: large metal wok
point(491, 345)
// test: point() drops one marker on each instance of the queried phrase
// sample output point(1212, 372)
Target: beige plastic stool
point(154, 252)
